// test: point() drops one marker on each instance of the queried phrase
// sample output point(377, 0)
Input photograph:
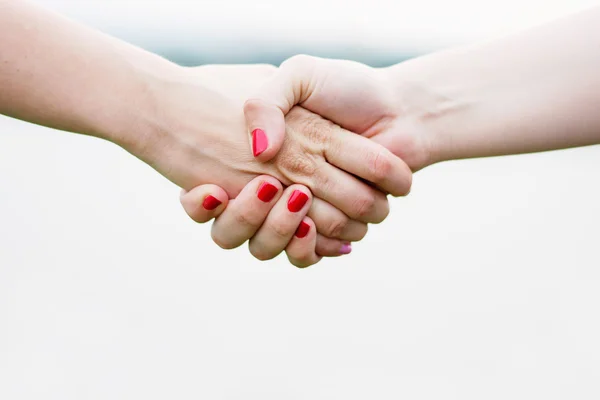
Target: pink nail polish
point(346, 248)
point(259, 142)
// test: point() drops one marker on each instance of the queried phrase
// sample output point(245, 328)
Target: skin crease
point(380, 126)
point(232, 82)
point(188, 152)
point(269, 225)
point(517, 94)
point(291, 162)
point(485, 100)
point(366, 103)
point(490, 99)
point(290, 148)
point(187, 127)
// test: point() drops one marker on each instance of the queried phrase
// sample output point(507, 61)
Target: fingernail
point(297, 200)
point(302, 230)
point(259, 142)
point(346, 248)
point(266, 192)
point(210, 203)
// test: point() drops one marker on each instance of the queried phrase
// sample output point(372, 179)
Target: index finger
point(368, 160)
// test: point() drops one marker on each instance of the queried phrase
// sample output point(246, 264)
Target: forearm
point(534, 91)
point(57, 73)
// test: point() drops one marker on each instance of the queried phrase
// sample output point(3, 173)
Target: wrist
point(419, 108)
point(437, 101)
point(191, 131)
point(138, 123)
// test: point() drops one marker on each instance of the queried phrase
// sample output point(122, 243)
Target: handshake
point(307, 153)
point(301, 158)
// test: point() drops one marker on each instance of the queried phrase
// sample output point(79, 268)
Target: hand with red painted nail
point(358, 98)
point(334, 229)
point(187, 123)
point(204, 141)
point(272, 218)
point(485, 100)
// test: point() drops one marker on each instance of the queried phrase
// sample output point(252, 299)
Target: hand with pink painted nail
point(330, 231)
point(187, 123)
point(203, 140)
point(274, 219)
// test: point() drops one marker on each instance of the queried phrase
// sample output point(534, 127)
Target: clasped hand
point(302, 157)
point(327, 147)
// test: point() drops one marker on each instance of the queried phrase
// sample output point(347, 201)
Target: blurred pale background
point(482, 284)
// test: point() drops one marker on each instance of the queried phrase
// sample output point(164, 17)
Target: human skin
point(536, 90)
point(57, 73)
point(268, 223)
point(518, 94)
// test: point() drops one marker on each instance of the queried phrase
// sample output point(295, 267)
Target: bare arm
point(533, 91)
point(181, 121)
point(57, 73)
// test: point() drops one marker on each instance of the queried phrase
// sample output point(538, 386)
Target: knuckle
point(294, 117)
point(280, 231)
point(337, 227)
point(243, 218)
point(334, 144)
point(260, 253)
point(380, 166)
point(301, 262)
point(298, 164)
point(354, 232)
point(364, 206)
point(311, 126)
point(222, 242)
point(322, 181)
point(317, 130)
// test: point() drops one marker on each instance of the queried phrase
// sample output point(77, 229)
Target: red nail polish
point(302, 230)
point(297, 201)
point(266, 192)
point(259, 142)
point(210, 203)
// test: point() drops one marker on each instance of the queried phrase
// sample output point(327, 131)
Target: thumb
point(204, 202)
point(265, 112)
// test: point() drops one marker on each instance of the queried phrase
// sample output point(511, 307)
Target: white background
point(482, 284)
